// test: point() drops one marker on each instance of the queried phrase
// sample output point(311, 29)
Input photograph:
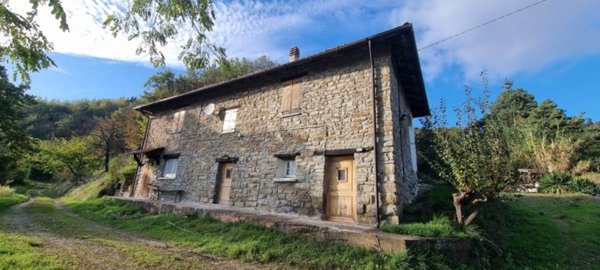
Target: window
point(292, 96)
point(177, 121)
point(170, 169)
point(287, 168)
point(229, 120)
point(342, 174)
point(413, 147)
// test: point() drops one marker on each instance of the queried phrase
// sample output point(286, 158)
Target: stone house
point(305, 138)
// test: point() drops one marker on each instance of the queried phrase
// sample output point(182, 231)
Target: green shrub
point(556, 183)
point(585, 186)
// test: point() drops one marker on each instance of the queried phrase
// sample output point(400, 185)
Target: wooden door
point(226, 175)
point(142, 187)
point(341, 189)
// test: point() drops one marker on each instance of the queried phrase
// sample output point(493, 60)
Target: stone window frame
point(285, 173)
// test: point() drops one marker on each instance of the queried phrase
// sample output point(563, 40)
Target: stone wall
point(335, 114)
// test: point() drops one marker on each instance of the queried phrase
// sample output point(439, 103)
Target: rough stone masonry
point(334, 116)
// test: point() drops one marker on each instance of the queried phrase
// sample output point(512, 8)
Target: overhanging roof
point(405, 60)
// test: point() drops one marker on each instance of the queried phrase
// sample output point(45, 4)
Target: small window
point(290, 168)
point(413, 146)
point(228, 173)
point(342, 174)
point(177, 122)
point(170, 169)
point(287, 168)
point(292, 96)
point(229, 120)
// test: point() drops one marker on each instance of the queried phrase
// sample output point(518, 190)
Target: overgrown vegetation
point(480, 155)
point(438, 226)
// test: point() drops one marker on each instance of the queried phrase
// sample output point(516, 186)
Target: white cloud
point(524, 42)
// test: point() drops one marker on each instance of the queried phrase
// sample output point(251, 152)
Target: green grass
point(8, 197)
point(44, 189)
point(244, 241)
point(437, 227)
point(90, 190)
point(545, 232)
point(20, 252)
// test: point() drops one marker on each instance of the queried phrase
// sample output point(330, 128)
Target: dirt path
point(82, 244)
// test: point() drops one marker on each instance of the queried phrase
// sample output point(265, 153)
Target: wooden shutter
point(292, 96)
point(286, 100)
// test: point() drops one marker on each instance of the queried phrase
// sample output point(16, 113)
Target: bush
point(585, 186)
point(556, 183)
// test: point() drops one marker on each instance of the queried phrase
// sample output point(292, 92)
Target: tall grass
point(438, 226)
point(548, 152)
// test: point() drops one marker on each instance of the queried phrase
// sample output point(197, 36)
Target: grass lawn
point(545, 231)
point(246, 242)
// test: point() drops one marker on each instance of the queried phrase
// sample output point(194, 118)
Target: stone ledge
point(352, 234)
point(285, 180)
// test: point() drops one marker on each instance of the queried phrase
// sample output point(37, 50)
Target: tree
point(107, 138)
point(26, 45)
point(157, 22)
point(165, 84)
point(115, 134)
point(14, 143)
point(75, 155)
point(474, 157)
point(554, 120)
point(49, 119)
point(513, 104)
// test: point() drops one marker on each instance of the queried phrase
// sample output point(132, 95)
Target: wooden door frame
point(326, 184)
point(218, 181)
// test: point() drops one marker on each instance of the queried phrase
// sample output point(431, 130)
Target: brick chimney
point(294, 54)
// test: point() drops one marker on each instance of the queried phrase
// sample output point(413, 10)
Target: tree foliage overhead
point(157, 22)
point(14, 142)
point(24, 45)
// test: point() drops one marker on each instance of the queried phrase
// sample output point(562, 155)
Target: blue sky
point(551, 49)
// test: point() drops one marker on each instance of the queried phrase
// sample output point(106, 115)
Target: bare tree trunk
point(471, 217)
point(106, 160)
point(457, 199)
